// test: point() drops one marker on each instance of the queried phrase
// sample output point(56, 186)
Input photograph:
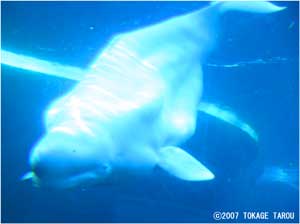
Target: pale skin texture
point(135, 105)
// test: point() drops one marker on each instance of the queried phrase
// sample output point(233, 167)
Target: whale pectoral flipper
point(229, 117)
point(182, 165)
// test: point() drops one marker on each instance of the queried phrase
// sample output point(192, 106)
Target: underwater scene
point(124, 112)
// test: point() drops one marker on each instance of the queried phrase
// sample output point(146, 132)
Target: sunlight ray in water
point(41, 66)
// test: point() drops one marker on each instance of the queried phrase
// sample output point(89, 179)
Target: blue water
point(263, 90)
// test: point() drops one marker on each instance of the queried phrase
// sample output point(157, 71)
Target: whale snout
point(51, 165)
point(66, 163)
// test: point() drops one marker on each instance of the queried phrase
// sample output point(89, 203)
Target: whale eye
point(105, 169)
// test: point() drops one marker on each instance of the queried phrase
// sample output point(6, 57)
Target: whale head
point(61, 160)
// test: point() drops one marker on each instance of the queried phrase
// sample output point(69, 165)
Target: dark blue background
point(263, 94)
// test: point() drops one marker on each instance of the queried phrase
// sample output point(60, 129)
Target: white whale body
point(135, 105)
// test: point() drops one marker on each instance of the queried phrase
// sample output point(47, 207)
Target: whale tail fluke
point(30, 176)
point(27, 176)
point(247, 6)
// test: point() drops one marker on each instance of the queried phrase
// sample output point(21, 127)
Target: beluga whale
point(135, 105)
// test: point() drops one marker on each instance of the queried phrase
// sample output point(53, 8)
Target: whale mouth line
point(85, 178)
